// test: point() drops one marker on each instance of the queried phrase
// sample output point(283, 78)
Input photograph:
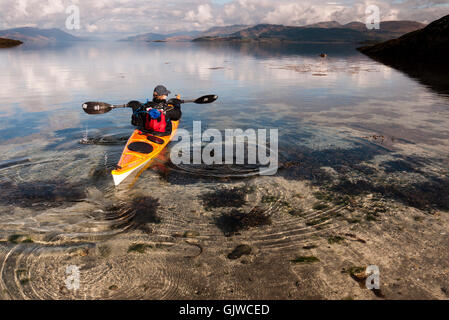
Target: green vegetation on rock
point(335, 239)
point(305, 259)
point(138, 247)
point(320, 206)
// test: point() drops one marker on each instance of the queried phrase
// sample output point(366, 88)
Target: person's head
point(160, 93)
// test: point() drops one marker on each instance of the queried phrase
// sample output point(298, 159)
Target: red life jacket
point(156, 125)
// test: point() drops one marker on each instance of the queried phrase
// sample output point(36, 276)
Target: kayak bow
point(140, 149)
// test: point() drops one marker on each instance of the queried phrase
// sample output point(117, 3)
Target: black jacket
point(172, 107)
point(172, 110)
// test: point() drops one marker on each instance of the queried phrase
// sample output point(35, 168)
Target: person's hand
point(134, 104)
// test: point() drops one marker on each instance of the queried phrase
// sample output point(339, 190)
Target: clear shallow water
point(343, 118)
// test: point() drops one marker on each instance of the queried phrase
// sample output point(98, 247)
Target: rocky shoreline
point(285, 249)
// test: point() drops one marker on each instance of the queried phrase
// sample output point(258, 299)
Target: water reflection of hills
point(48, 46)
point(280, 49)
point(432, 75)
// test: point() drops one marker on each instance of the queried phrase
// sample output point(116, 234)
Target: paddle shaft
point(103, 107)
point(126, 105)
point(119, 106)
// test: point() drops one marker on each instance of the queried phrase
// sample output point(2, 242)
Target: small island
point(8, 43)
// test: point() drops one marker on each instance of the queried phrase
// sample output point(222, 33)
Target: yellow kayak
point(140, 149)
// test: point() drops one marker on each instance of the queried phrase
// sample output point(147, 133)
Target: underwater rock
point(305, 259)
point(235, 221)
point(239, 251)
point(235, 197)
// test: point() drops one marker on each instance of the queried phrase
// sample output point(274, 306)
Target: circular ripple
point(293, 219)
point(222, 169)
point(199, 208)
point(105, 140)
point(161, 210)
point(40, 272)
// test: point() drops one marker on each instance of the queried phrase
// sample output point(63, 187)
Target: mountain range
point(322, 32)
point(150, 37)
point(187, 36)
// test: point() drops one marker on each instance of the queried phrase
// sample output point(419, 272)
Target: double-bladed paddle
point(103, 107)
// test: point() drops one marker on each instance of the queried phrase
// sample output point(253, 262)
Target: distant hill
point(188, 35)
point(176, 36)
point(324, 24)
point(402, 27)
point(146, 37)
point(260, 30)
point(422, 54)
point(7, 43)
point(223, 31)
point(322, 32)
point(28, 34)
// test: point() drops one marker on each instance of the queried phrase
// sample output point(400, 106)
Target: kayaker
point(156, 116)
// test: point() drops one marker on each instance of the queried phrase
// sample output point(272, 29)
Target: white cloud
point(91, 28)
point(52, 7)
point(21, 7)
point(296, 14)
point(202, 15)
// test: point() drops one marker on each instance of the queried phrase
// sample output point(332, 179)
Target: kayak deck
point(139, 150)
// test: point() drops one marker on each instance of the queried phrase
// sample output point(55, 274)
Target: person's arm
point(134, 105)
point(136, 118)
point(174, 112)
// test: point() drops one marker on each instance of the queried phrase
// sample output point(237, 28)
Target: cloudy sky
point(114, 18)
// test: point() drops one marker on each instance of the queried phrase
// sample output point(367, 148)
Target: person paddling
point(156, 116)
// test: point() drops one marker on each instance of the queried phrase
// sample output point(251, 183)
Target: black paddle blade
point(96, 107)
point(206, 99)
